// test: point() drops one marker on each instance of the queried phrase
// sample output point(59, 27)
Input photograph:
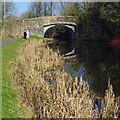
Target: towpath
point(6, 42)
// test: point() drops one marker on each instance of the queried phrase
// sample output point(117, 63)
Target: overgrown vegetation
point(9, 98)
point(49, 92)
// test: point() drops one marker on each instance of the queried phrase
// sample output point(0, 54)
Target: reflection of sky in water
point(69, 70)
point(80, 72)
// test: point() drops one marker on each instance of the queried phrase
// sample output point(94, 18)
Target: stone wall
point(34, 25)
point(13, 28)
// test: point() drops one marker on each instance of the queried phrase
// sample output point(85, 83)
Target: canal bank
point(55, 89)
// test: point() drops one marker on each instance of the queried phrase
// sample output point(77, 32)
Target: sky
point(21, 7)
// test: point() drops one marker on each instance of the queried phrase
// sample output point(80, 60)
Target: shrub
point(116, 42)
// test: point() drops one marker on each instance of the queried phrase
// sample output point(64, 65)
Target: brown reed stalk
point(62, 98)
point(109, 107)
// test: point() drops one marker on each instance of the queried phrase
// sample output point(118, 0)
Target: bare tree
point(9, 9)
point(45, 9)
point(34, 10)
point(37, 9)
point(66, 6)
point(24, 15)
point(51, 8)
point(5, 13)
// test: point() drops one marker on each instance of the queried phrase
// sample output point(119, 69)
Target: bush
point(115, 42)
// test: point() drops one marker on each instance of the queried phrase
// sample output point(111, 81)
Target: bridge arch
point(71, 26)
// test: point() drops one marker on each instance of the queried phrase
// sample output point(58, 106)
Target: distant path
point(6, 42)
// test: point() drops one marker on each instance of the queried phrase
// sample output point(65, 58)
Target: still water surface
point(95, 61)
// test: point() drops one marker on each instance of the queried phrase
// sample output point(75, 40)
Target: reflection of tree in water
point(102, 62)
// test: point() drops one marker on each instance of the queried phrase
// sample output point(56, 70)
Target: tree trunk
point(62, 6)
point(51, 8)
point(45, 9)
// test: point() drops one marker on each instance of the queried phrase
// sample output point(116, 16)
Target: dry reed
point(51, 93)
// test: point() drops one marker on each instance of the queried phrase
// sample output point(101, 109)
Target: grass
point(9, 53)
point(35, 37)
point(9, 98)
point(31, 37)
point(5, 38)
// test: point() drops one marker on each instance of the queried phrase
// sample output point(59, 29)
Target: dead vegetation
point(50, 92)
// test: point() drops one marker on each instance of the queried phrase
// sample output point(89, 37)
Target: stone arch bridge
point(38, 26)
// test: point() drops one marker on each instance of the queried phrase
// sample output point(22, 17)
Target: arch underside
point(72, 27)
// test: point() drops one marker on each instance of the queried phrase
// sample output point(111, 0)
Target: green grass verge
point(5, 38)
point(35, 37)
point(9, 98)
point(31, 37)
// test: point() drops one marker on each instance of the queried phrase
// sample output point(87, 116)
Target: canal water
point(96, 61)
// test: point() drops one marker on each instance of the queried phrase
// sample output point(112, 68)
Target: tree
point(48, 8)
point(76, 10)
point(72, 9)
point(9, 11)
point(37, 9)
point(45, 9)
point(51, 8)
point(24, 15)
point(111, 13)
point(34, 10)
point(66, 8)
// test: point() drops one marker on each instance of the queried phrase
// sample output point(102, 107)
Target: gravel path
point(6, 42)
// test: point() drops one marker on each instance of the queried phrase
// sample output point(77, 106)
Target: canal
point(96, 61)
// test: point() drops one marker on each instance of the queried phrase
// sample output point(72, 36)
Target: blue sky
point(21, 7)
